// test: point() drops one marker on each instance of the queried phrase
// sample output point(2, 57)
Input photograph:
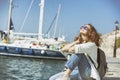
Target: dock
point(113, 72)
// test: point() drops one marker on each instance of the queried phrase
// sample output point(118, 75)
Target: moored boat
point(17, 44)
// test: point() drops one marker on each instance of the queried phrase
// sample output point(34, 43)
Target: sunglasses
point(84, 27)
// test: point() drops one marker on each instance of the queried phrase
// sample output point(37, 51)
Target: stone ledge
point(111, 78)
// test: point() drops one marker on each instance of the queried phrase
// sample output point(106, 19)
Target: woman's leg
point(80, 61)
point(71, 64)
point(84, 67)
point(76, 60)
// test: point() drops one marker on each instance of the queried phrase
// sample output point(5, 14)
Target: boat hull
point(29, 52)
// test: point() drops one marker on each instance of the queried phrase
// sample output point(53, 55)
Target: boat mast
point(41, 19)
point(9, 15)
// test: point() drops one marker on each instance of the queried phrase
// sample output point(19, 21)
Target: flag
point(11, 26)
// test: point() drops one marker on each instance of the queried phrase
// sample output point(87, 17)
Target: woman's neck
point(85, 38)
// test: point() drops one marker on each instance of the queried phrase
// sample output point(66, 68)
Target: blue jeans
point(80, 67)
point(80, 61)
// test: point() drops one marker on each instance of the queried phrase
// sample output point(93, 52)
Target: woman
point(85, 45)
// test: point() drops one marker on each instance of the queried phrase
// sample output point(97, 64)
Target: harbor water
point(17, 68)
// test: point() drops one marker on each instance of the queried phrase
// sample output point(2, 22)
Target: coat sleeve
point(86, 48)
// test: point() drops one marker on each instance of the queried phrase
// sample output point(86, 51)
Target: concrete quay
point(113, 72)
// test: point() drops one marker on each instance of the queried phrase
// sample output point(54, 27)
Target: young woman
point(85, 47)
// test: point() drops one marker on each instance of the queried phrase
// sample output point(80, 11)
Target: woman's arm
point(72, 49)
point(86, 48)
point(70, 46)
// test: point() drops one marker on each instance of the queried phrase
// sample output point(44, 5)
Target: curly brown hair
point(92, 35)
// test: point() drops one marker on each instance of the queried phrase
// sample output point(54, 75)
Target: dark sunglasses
point(84, 27)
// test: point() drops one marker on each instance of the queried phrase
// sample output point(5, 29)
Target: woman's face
point(84, 29)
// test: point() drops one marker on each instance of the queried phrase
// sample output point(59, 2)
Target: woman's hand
point(65, 48)
point(72, 49)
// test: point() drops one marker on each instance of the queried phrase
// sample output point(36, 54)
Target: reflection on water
point(17, 68)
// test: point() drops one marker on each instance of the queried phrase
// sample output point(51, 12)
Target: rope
point(26, 15)
point(51, 25)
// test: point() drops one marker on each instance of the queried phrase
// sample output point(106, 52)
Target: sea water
point(17, 68)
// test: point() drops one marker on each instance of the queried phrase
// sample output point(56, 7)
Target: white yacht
point(25, 45)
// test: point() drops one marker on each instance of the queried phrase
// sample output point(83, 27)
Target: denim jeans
point(80, 61)
point(80, 67)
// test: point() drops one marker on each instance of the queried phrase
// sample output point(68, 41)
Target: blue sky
point(74, 13)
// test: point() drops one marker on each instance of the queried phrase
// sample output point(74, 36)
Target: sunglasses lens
point(84, 27)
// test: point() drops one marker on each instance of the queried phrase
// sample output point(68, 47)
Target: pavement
point(113, 72)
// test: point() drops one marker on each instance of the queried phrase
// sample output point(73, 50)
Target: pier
point(113, 72)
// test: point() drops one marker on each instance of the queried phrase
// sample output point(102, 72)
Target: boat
point(22, 45)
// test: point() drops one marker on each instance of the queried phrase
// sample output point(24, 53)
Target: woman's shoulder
point(91, 43)
point(88, 43)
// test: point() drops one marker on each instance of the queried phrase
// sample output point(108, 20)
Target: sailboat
point(14, 45)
